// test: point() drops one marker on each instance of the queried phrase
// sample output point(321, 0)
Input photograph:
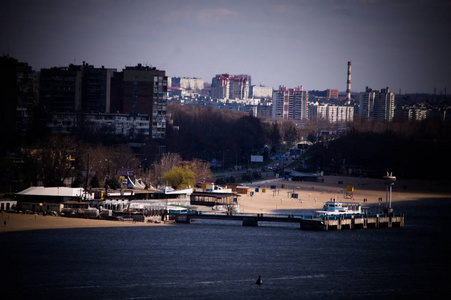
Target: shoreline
point(311, 196)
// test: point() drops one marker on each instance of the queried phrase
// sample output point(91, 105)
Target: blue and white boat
point(332, 208)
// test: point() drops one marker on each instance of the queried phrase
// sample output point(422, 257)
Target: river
point(222, 260)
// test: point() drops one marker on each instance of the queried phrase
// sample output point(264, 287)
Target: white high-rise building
point(261, 91)
point(187, 83)
point(377, 105)
point(290, 104)
point(226, 86)
point(239, 88)
point(367, 103)
point(384, 105)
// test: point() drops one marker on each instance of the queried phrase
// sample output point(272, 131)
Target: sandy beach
point(20, 222)
point(311, 196)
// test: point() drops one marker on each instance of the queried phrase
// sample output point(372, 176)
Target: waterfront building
point(49, 199)
point(290, 104)
point(377, 105)
point(142, 90)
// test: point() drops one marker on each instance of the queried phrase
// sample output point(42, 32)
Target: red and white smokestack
point(348, 85)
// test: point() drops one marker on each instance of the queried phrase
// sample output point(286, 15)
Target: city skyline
point(398, 44)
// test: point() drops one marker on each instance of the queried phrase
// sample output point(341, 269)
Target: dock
point(306, 222)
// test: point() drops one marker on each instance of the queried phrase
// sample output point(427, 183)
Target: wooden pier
point(306, 222)
point(353, 222)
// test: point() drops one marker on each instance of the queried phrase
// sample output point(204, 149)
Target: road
point(270, 170)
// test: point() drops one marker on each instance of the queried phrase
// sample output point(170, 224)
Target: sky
point(401, 44)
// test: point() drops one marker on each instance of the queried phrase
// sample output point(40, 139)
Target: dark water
point(224, 260)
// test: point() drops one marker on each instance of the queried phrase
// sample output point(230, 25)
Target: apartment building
point(331, 113)
point(75, 88)
point(60, 89)
point(377, 105)
point(186, 83)
point(332, 93)
point(260, 91)
point(384, 105)
point(290, 104)
point(117, 124)
point(96, 89)
point(142, 90)
point(17, 99)
point(226, 86)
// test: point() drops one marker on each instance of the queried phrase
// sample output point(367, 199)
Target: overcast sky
point(402, 44)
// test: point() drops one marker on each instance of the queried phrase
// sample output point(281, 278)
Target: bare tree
point(201, 170)
point(167, 162)
point(50, 164)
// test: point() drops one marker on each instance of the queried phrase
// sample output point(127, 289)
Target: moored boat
point(332, 208)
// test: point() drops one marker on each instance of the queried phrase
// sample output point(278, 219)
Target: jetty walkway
point(306, 222)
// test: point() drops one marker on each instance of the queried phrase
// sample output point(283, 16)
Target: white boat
point(332, 208)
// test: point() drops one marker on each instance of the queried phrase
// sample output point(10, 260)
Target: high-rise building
point(96, 89)
point(248, 77)
point(142, 90)
point(77, 88)
point(290, 104)
point(384, 105)
point(185, 87)
point(17, 98)
point(377, 105)
point(367, 103)
point(220, 86)
point(239, 88)
point(60, 89)
point(261, 91)
point(226, 86)
point(187, 83)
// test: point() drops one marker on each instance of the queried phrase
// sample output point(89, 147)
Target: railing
point(284, 216)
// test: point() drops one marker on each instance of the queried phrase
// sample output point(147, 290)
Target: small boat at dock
point(332, 208)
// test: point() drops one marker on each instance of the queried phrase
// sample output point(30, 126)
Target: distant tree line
point(225, 135)
point(409, 149)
